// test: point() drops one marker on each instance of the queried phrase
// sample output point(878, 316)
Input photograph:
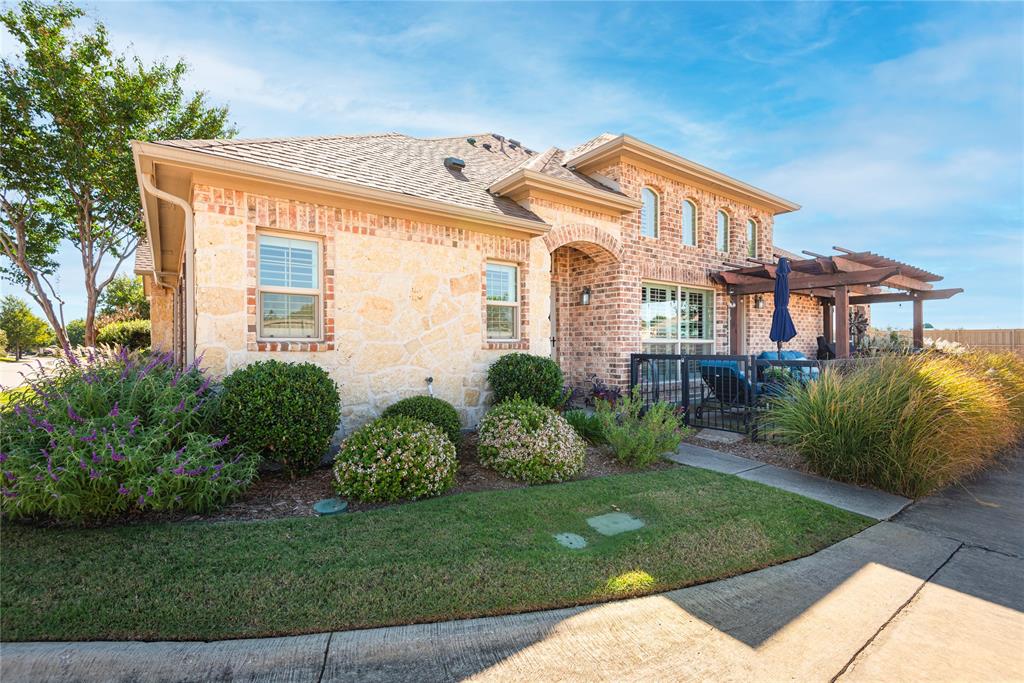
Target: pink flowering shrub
point(107, 434)
point(393, 458)
point(525, 441)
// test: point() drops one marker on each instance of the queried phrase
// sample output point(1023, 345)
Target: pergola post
point(918, 324)
point(735, 325)
point(826, 321)
point(842, 322)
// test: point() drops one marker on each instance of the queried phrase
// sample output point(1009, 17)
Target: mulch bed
point(274, 496)
point(768, 452)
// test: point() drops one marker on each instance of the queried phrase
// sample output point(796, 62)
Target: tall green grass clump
point(906, 424)
point(1007, 370)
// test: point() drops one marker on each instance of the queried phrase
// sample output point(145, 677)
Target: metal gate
point(717, 392)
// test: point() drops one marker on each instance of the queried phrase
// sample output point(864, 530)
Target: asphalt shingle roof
point(399, 163)
point(389, 161)
point(143, 257)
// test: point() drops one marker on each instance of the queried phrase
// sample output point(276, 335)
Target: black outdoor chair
point(826, 350)
point(729, 387)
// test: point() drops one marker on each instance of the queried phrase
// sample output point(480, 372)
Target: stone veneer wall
point(161, 314)
point(403, 299)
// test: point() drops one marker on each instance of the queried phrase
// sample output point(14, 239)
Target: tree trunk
point(18, 253)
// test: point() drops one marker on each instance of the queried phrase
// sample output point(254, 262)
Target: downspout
point(190, 277)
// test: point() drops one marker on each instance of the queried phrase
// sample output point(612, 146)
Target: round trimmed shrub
point(531, 377)
point(393, 458)
point(525, 441)
point(132, 334)
point(439, 413)
point(285, 412)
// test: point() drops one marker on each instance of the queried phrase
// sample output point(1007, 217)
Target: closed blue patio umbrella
point(782, 325)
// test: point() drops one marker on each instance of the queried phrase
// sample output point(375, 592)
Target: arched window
point(689, 223)
point(649, 213)
point(751, 238)
point(722, 236)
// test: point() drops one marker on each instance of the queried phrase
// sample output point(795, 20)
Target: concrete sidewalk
point(864, 501)
point(915, 598)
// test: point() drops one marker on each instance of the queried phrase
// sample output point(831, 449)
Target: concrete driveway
point(11, 373)
point(934, 594)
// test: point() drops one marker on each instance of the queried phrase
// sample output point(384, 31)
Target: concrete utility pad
point(569, 540)
point(614, 523)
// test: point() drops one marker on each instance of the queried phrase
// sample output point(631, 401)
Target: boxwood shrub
point(525, 441)
point(134, 334)
point(527, 376)
point(430, 409)
point(394, 458)
point(284, 412)
point(104, 435)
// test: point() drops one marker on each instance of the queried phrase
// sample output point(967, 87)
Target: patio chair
point(729, 386)
point(826, 350)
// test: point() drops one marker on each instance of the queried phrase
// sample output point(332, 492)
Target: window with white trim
point(675, 319)
point(289, 288)
point(751, 238)
point(502, 292)
point(689, 223)
point(722, 232)
point(649, 213)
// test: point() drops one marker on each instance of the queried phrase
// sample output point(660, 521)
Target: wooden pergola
point(848, 278)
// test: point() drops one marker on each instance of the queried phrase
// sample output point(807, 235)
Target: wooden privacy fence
point(990, 340)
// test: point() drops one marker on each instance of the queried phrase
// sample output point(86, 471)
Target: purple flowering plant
point(112, 432)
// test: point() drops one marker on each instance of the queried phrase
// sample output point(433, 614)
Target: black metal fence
point(731, 393)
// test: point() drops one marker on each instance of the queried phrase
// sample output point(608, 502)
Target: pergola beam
point(900, 281)
point(898, 297)
point(804, 282)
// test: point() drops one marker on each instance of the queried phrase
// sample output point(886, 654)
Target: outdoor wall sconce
point(585, 297)
point(758, 302)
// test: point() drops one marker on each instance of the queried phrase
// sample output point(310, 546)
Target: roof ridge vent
point(454, 164)
point(513, 143)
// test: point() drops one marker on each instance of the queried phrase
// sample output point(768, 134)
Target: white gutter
point(154, 256)
point(190, 276)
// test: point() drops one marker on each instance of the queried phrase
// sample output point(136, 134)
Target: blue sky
point(898, 127)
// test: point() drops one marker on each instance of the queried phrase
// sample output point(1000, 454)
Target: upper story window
point(751, 238)
point(689, 223)
point(722, 232)
point(289, 288)
point(649, 213)
point(502, 292)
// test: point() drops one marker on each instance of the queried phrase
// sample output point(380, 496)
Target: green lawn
point(457, 556)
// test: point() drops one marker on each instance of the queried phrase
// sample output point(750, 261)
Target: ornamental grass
point(905, 424)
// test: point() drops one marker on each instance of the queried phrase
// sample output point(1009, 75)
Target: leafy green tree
point(76, 332)
point(25, 330)
point(3, 343)
point(125, 294)
point(69, 107)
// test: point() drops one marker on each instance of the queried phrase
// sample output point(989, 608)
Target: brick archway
point(596, 243)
